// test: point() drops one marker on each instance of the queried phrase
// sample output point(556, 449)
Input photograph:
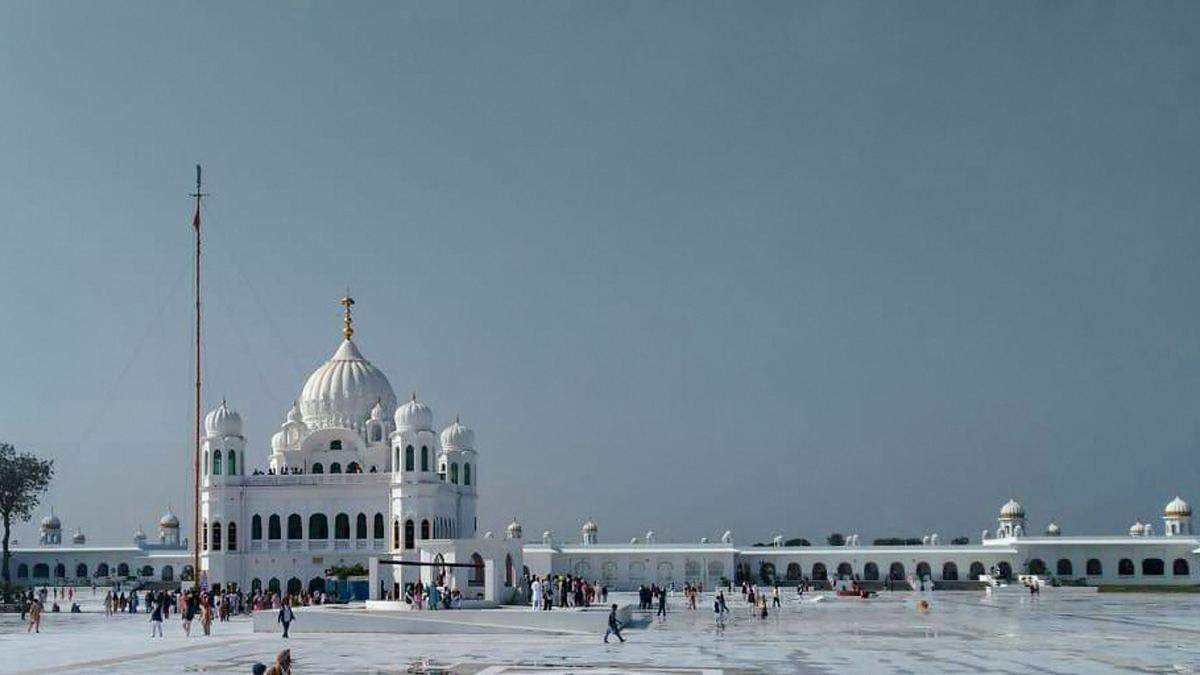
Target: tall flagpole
point(196, 543)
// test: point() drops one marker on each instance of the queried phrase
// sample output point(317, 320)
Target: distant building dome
point(1053, 530)
point(1177, 508)
point(414, 416)
point(139, 535)
point(51, 522)
point(79, 537)
point(513, 531)
point(1012, 510)
point(169, 520)
point(342, 392)
point(223, 421)
point(458, 436)
point(704, 540)
point(547, 537)
point(1137, 529)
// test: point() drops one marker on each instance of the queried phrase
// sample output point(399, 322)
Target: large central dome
point(342, 392)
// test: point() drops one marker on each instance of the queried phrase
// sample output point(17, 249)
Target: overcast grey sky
point(774, 267)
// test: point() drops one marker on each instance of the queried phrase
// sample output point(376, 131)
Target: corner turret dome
point(1012, 510)
point(342, 392)
point(458, 437)
point(79, 537)
point(51, 522)
point(140, 535)
point(223, 421)
point(168, 520)
point(1137, 529)
point(414, 416)
point(1053, 530)
point(1177, 508)
point(513, 530)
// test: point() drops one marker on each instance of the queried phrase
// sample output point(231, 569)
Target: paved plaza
point(1060, 632)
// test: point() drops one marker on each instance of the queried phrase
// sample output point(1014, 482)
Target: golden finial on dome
point(347, 320)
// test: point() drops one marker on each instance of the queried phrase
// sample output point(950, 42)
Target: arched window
point(186, 574)
point(466, 473)
point(409, 535)
point(793, 572)
point(102, 570)
point(168, 573)
point(509, 572)
point(232, 463)
point(81, 571)
point(1180, 568)
point(231, 536)
point(895, 572)
point(318, 526)
point(317, 468)
point(923, 571)
point(410, 461)
point(454, 472)
point(424, 530)
point(216, 536)
point(396, 541)
point(1005, 570)
point(295, 586)
point(819, 573)
point(42, 571)
point(360, 526)
point(353, 467)
point(147, 571)
point(424, 458)
point(22, 571)
point(204, 535)
point(255, 585)
point(274, 586)
point(1153, 567)
point(949, 571)
point(1037, 566)
point(379, 526)
point(60, 571)
point(256, 527)
point(316, 585)
point(122, 570)
point(206, 462)
point(376, 433)
point(216, 462)
point(477, 571)
point(335, 468)
point(845, 570)
point(1125, 567)
point(335, 445)
point(1094, 568)
point(871, 572)
point(273, 527)
point(295, 527)
point(341, 526)
point(977, 570)
point(1064, 568)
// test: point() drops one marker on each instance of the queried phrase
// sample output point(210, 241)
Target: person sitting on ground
point(283, 664)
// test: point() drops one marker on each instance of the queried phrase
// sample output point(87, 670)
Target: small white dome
point(1176, 508)
point(458, 437)
point(634, 540)
point(650, 537)
point(168, 520)
point(1053, 530)
point(727, 538)
point(513, 530)
point(223, 421)
point(278, 441)
point(377, 411)
point(294, 416)
point(1137, 529)
point(79, 537)
point(489, 535)
point(703, 540)
point(547, 537)
point(140, 534)
point(1012, 510)
point(51, 522)
point(414, 416)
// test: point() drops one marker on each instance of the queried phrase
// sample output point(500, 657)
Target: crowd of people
point(565, 590)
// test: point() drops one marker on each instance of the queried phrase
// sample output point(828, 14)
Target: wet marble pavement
point(960, 633)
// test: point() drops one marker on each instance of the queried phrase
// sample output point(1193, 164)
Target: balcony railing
point(317, 479)
point(317, 544)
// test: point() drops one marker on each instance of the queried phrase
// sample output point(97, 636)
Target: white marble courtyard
point(963, 632)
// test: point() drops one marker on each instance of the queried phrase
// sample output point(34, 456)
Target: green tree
point(836, 539)
point(797, 542)
point(23, 479)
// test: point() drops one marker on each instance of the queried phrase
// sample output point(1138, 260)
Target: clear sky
point(773, 267)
